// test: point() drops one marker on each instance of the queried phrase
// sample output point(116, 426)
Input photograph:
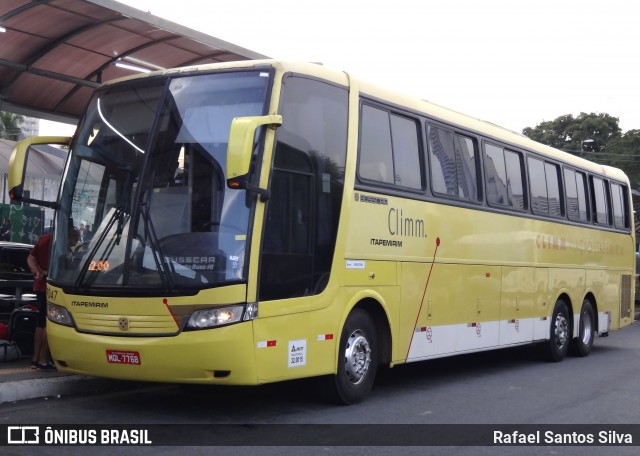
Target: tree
point(10, 125)
point(624, 153)
point(587, 132)
point(596, 137)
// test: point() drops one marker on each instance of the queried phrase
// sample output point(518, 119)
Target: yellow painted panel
point(368, 273)
point(296, 345)
point(222, 356)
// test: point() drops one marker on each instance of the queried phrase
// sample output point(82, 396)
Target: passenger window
point(553, 189)
point(466, 168)
point(376, 161)
point(574, 183)
point(496, 175)
point(600, 203)
point(453, 164)
point(545, 187)
point(503, 171)
point(581, 184)
point(538, 184)
point(515, 186)
point(389, 149)
point(443, 161)
point(406, 152)
point(619, 202)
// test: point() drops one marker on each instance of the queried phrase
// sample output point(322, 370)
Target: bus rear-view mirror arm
point(240, 151)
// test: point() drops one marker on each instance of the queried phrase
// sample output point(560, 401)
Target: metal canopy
point(53, 53)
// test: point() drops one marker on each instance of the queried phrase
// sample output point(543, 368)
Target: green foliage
point(570, 133)
point(10, 125)
point(596, 137)
point(624, 152)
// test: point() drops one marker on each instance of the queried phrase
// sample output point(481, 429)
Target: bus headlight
point(209, 318)
point(58, 314)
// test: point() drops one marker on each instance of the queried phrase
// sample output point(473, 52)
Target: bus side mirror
point(240, 147)
point(19, 159)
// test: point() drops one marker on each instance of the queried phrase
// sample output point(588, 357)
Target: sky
point(515, 63)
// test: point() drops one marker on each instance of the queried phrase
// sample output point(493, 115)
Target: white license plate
point(123, 357)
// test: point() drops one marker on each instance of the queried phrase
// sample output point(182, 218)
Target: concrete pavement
point(19, 382)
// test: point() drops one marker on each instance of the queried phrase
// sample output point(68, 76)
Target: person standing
point(38, 261)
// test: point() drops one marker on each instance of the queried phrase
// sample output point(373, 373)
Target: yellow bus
point(261, 221)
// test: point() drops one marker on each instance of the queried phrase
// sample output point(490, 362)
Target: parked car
point(16, 280)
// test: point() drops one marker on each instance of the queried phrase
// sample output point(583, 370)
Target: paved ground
point(19, 382)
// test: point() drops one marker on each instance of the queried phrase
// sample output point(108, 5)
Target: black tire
point(357, 361)
point(581, 346)
point(557, 346)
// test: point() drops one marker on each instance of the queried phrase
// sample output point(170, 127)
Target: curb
point(38, 388)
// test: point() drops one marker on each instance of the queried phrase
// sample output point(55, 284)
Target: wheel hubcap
point(357, 357)
point(562, 330)
point(587, 328)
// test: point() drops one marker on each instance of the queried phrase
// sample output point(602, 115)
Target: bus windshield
point(144, 201)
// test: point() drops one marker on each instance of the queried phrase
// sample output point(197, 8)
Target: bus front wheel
point(581, 346)
point(357, 360)
point(560, 333)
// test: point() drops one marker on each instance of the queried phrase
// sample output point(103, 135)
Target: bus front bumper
point(218, 356)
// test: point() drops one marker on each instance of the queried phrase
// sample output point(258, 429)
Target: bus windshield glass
point(144, 201)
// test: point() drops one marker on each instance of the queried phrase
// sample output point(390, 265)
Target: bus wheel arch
point(383, 329)
point(364, 344)
point(587, 328)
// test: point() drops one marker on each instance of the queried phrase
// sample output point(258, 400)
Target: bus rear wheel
point(560, 333)
point(581, 346)
point(357, 360)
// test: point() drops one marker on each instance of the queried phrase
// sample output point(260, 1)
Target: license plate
point(123, 357)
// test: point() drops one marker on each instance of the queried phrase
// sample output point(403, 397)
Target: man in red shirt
point(38, 262)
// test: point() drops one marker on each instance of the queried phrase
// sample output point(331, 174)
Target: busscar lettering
point(372, 199)
point(192, 259)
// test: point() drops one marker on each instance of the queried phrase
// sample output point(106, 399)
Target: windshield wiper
point(117, 216)
point(158, 257)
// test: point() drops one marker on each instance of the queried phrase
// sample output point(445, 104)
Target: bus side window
point(389, 149)
point(552, 173)
point(496, 175)
point(600, 200)
point(576, 199)
point(538, 186)
point(619, 202)
point(376, 159)
point(443, 161)
point(453, 164)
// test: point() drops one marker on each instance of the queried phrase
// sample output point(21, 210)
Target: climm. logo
point(401, 225)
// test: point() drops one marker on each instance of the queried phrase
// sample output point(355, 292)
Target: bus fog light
point(210, 318)
point(58, 314)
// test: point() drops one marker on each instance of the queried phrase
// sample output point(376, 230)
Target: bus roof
point(425, 107)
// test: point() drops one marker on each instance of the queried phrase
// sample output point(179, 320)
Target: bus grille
point(625, 296)
point(125, 325)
